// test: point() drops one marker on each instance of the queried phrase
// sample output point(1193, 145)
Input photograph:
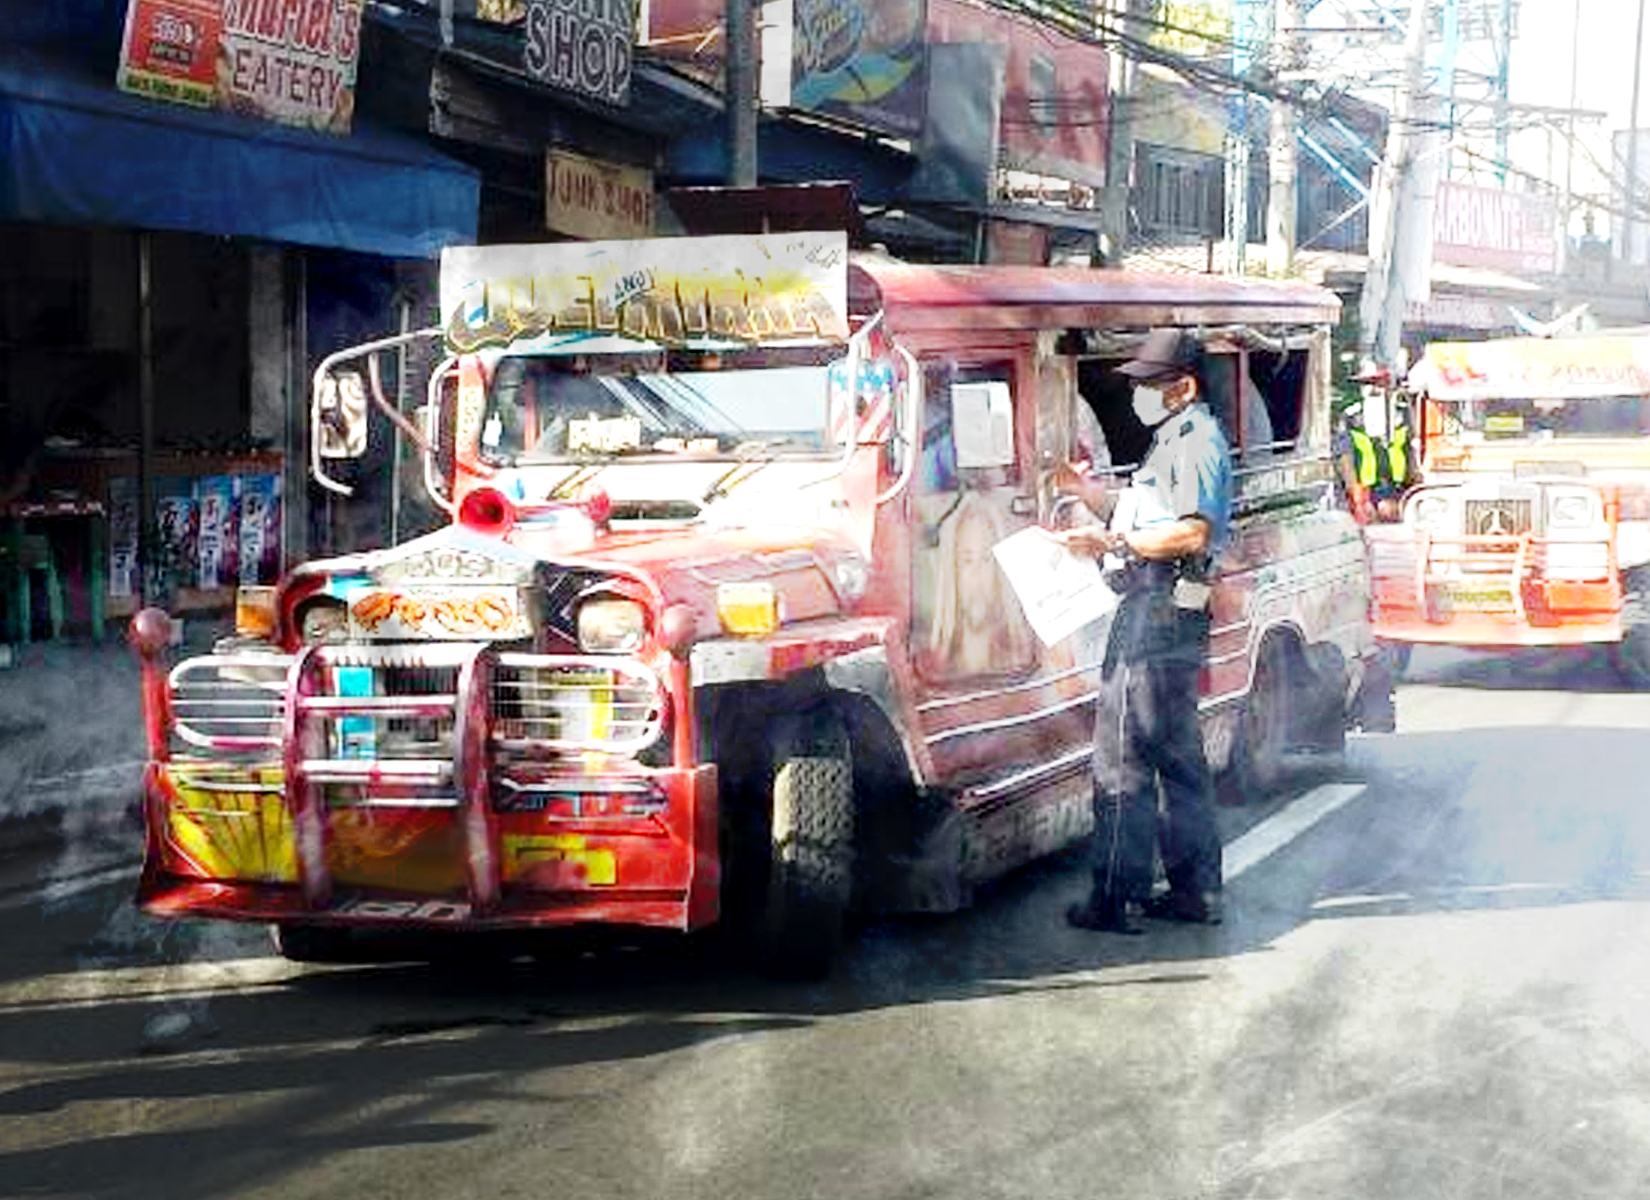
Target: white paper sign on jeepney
point(736, 290)
point(1060, 591)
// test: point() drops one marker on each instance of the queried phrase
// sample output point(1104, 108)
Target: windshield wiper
point(752, 457)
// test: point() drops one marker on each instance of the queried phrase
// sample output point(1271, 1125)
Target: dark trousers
point(1146, 730)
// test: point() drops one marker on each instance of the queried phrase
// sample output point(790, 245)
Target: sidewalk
point(71, 736)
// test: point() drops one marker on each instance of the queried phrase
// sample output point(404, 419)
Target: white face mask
point(1149, 406)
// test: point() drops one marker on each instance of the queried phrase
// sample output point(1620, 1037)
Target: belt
point(1140, 576)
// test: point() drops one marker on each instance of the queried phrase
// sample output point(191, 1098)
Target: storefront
point(164, 274)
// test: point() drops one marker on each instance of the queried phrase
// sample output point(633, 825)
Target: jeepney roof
point(1565, 368)
point(917, 297)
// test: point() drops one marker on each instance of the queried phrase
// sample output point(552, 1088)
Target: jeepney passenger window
point(937, 470)
point(1281, 381)
point(1110, 397)
point(1238, 405)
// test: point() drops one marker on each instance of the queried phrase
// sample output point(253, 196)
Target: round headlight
point(611, 625)
point(1431, 512)
point(322, 622)
point(1570, 510)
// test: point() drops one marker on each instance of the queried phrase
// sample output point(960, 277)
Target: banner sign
point(587, 198)
point(790, 287)
point(862, 60)
point(1495, 229)
point(288, 61)
point(582, 46)
point(1535, 369)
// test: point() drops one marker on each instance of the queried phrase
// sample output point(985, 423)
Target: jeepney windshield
point(1547, 419)
point(547, 408)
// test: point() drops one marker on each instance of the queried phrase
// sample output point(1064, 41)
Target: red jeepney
point(715, 633)
point(1532, 524)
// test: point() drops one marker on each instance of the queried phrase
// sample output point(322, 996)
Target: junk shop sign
point(582, 46)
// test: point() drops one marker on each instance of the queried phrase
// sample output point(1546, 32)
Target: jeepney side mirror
point(341, 415)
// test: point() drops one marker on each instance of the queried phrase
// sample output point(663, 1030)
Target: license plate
point(1476, 598)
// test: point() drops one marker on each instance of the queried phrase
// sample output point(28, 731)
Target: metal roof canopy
point(1010, 298)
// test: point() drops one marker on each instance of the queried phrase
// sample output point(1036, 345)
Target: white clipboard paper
point(1059, 591)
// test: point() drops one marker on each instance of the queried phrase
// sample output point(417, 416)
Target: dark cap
point(1164, 352)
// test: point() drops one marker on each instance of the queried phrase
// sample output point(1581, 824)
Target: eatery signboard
point(287, 61)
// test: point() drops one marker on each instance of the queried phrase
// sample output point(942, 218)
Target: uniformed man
point(1358, 460)
point(1165, 532)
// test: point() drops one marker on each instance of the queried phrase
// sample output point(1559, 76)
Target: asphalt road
point(1433, 981)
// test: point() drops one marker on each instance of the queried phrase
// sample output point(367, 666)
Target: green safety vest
point(1365, 456)
point(1397, 455)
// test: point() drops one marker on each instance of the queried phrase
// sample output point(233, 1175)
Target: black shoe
point(1105, 918)
point(1183, 906)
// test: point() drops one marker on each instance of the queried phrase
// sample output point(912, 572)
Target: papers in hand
point(1060, 591)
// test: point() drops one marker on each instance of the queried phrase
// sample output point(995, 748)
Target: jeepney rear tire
point(810, 840)
point(1258, 763)
point(313, 943)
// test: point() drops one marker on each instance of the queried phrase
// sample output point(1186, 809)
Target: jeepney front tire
point(810, 846)
point(313, 944)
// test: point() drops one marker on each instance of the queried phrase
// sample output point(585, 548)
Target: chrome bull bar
point(413, 725)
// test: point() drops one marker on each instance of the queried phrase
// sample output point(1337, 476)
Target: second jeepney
point(1532, 524)
point(714, 634)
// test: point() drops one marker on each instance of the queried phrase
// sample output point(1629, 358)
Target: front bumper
point(448, 786)
point(230, 850)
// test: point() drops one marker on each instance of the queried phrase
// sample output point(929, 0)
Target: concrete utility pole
point(1630, 193)
point(1381, 307)
point(740, 93)
point(1249, 30)
point(1280, 200)
point(1569, 147)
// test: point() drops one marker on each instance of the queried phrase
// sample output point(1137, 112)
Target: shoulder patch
point(1187, 427)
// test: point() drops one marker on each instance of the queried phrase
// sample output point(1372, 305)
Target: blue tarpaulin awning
point(75, 150)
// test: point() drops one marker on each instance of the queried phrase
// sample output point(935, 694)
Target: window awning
point(74, 149)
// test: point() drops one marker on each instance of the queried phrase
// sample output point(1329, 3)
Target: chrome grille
point(419, 728)
point(1498, 518)
point(229, 705)
point(558, 703)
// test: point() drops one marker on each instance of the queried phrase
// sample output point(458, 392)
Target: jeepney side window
point(1110, 397)
point(938, 470)
point(966, 622)
point(1281, 382)
point(1238, 405)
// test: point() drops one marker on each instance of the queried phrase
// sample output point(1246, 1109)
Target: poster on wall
point(286, 61)
point(123, 535)
point(258, 529)
point(177, 530)
point(862, 60)
point(216, 544)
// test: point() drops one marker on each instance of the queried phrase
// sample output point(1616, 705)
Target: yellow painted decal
point(234, 823)
point(522, 853)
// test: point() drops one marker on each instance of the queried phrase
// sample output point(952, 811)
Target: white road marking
point(1284, 826)
point(132, 770)
point(53, 890)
